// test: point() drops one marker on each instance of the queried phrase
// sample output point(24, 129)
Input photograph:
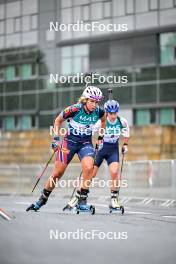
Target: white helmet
point(92, 92)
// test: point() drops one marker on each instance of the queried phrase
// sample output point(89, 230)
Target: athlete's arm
point(66, 113)
point(57, 124)
point(125, 129)
point(125, 134)
point(103, 122)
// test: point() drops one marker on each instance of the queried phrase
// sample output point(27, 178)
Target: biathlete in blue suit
point(109, 149)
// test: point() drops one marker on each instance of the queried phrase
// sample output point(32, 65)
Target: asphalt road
point(144, 234)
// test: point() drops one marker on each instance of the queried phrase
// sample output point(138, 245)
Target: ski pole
point(64, 150)
point(121, 168)
point(43, 170)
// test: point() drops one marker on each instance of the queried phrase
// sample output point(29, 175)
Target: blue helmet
point(111, 106)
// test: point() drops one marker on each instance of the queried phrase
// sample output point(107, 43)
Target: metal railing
point(144, 178)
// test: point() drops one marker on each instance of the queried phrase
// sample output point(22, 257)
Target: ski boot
point(82, 206)
point(42, 201)
point(73, 202)
point(115, 206)
point(79, 201)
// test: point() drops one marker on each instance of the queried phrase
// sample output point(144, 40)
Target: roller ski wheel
point(33, 207)
point(114, 210)
point(85, 209)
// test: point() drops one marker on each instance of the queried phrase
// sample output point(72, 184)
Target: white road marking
point(24, 203)
point(169, 216)
point(130, 212)
point(133, 212)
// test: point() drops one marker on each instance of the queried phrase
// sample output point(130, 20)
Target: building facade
point(30, 52)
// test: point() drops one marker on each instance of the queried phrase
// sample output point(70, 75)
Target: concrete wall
point(146, 143)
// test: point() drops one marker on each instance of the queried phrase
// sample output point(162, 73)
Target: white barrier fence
point(145, 178)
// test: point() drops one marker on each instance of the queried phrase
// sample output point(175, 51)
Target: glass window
point(29, 85)
point(66, 52)
point(30, 38)
point(82, 2)
point(12, 102)
point(145, 74)
point(80, 50)
point(9, 123)
point(66, 3)
point(85, 12)
point(45, 121)
point(13, 40)
point(107, 8)
point(12, 86)
point(10, 73)
point(17, 24)
point(167, 55)
point(144, 50)
point(129, 6)
point(167, 48)
point(29, 102)
point(77, 13)
point(118, 7)
point(43, 69)
point(124, 94)
point(146, 94)
point(66, 66)
point(166, 116)
point(153, 4)
point(13, 9)
point(1, 103)
point(77, 65)
point(166, 4)
point(168, 92)
point(26, 23)
point(26, 71)
point(2, 71)
point(66, 98)
point(142, 117)
point(34, 21)
point(2, 11)
point(29, 7)
point(50, 35)
point(167, 72)
point(96, 11)
point(1, 26)
point(141, 6)
point(66, 16)
point(2, 42)
point(85, 64)
point(153, 116)
point(26, 122)
point(46, 101)
point(10, 26)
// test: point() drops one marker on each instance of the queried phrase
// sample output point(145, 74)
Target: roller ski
point(42, 201)
point(79, 202)
point(115, 205)
point(85, 208)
